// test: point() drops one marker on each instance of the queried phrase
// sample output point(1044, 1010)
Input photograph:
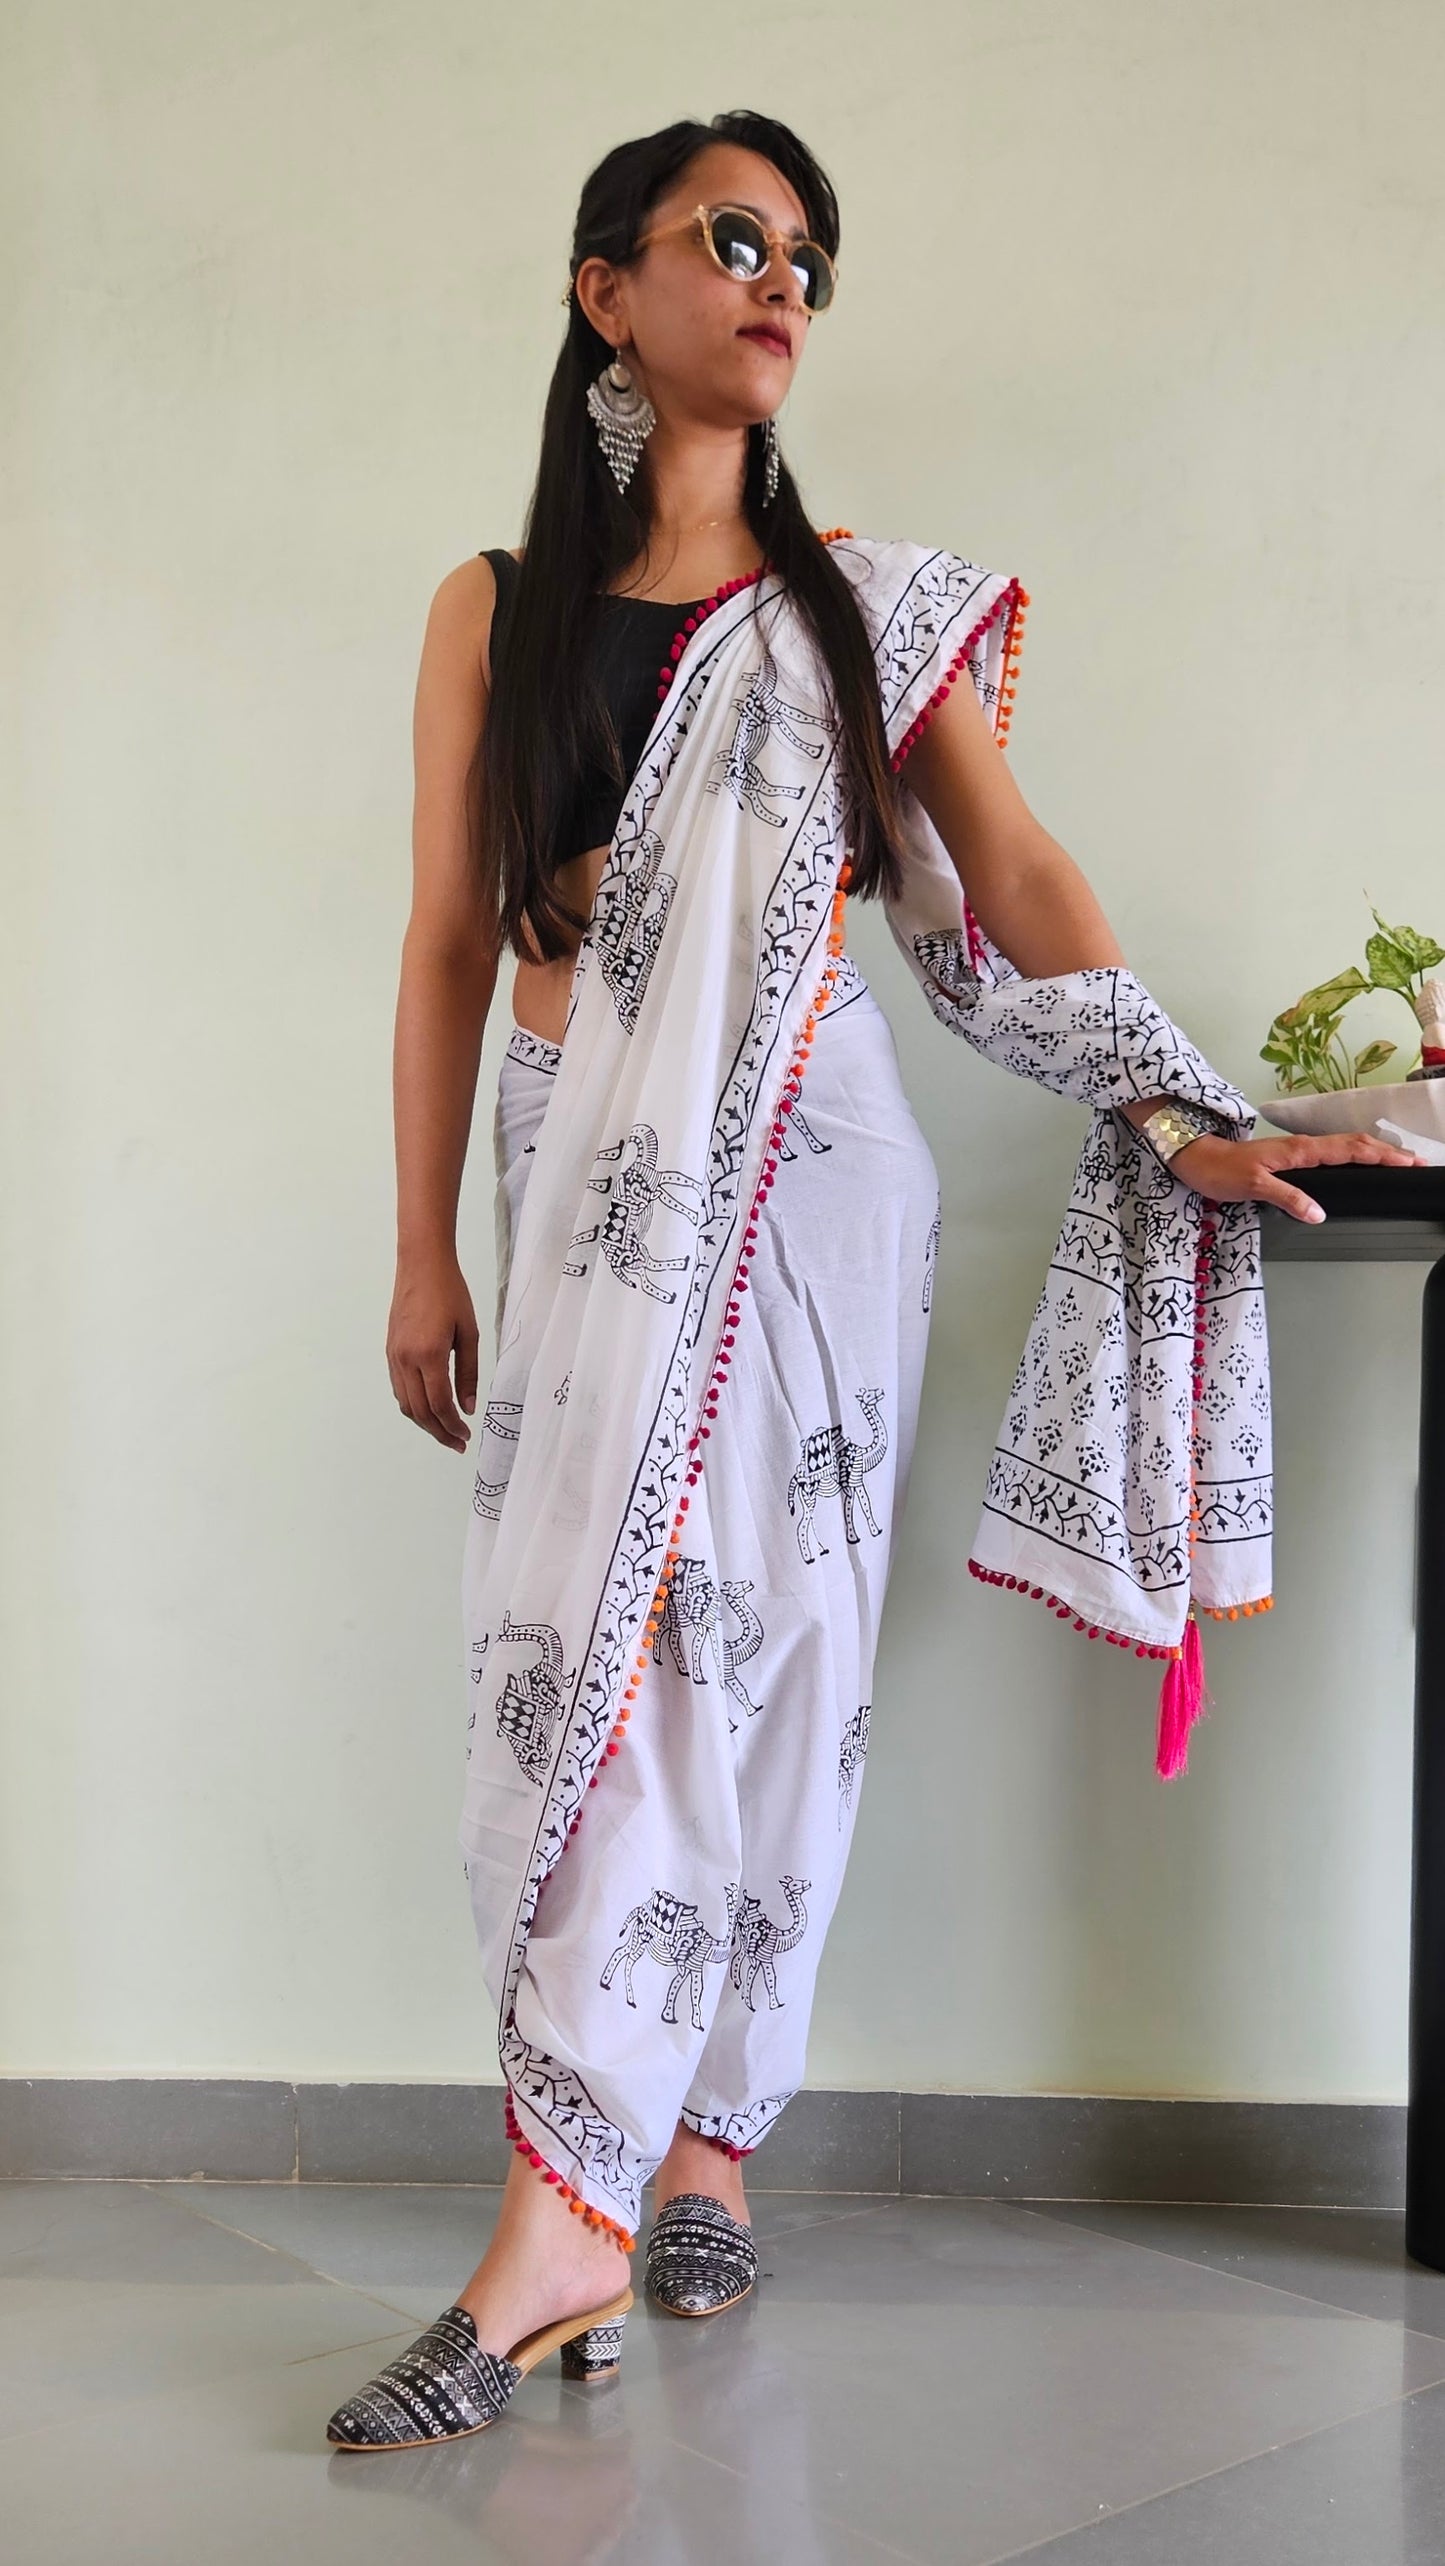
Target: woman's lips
point(769, 338)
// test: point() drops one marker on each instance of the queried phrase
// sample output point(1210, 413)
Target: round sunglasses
point(742, 248)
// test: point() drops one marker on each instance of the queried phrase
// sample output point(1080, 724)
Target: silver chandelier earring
point(624, 416)
point(770, 460)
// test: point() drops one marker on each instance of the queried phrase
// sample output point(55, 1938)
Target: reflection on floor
point(941, 2380)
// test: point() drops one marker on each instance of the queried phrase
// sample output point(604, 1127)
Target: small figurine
point(1429, 1006)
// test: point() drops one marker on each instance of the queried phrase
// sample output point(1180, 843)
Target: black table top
point(1373, 1212)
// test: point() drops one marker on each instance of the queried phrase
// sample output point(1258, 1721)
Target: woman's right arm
point(448, 974)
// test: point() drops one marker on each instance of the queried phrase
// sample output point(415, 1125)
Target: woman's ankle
point(694, 2163)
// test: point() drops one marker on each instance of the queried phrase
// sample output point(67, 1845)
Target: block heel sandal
point(699, 2257)
point(444, 2386)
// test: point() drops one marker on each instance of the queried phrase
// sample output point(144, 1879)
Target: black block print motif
point(758, 1941)
point(793, 916)
point(530, 1704)
point(761, 710)
point(499, 1418)
point(479, 1652)
point(695, 1599)
point(799, 1128)
point(850, 1755)
point(930, 1254)
point(634, 1197)
point(833, 1466)
point(952, 985)
point(740, 2129)
point(670, 1929)
point(629, 916)
point(562, 2102)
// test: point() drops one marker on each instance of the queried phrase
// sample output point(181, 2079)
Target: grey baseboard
point(1044, 2147)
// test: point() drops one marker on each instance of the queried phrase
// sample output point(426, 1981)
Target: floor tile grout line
point(303, 2263)
point(298, 2360)
point(228, 2227)
point(904, 2556)
point(1197, 2263)
point(829, 2218)
point(1226, 2468)
point(375, 2299)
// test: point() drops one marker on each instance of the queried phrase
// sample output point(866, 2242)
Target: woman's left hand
point(1242, 1171)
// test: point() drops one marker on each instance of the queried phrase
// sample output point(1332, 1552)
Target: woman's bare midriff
point(541, 991)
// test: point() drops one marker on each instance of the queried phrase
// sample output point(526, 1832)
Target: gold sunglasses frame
point(699, 220)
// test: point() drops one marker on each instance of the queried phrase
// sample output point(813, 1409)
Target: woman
point(656, 747)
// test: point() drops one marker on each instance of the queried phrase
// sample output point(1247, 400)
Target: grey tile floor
point(939, 2380)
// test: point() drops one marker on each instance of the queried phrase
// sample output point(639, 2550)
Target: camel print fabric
point(671, 1964)
point(718, 1226)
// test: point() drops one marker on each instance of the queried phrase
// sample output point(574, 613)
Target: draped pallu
point(1130, 1479)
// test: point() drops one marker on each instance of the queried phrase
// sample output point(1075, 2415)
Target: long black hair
point(545, 716)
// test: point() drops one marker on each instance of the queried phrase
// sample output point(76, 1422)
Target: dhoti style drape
point(717, 1225)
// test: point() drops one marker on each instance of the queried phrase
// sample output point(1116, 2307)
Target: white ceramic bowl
point(1416, 1104)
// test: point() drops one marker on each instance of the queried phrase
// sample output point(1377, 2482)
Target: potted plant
point(1320, 1084)
point(1304, 1042)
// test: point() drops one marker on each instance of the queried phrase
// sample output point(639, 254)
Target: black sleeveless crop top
point(634, 636)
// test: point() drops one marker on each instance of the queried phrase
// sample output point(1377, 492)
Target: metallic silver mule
point(699, 2257)
point(444, 2386)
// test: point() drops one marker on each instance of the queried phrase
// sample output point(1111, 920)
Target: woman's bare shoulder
point(460, 614)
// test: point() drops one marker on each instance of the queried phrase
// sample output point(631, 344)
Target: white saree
point(1131, 1472)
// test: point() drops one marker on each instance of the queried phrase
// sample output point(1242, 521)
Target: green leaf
point(1374, 1056)
point(1397, 953)
point(1389, 966)
point(1332, 996)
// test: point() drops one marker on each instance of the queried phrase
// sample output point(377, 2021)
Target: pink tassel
point(1182, 1698)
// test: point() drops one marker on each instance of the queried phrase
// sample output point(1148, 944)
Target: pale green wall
point(1141, 301)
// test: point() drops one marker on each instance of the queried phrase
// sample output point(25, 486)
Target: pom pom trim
point(1012, 602)
point(710, 605)
point(575, 2203)
point(736, 2153)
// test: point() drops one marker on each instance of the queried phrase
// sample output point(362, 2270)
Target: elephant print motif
point(761, 710)
point(758, 1941)
point(694, 1604)
point(671, 1930)
point(630, 929)
point(530, 1704)
point(851, 1752)
point(832, 1466)
point(498, 1418)
point(634, 1197)
point(930, 1255)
